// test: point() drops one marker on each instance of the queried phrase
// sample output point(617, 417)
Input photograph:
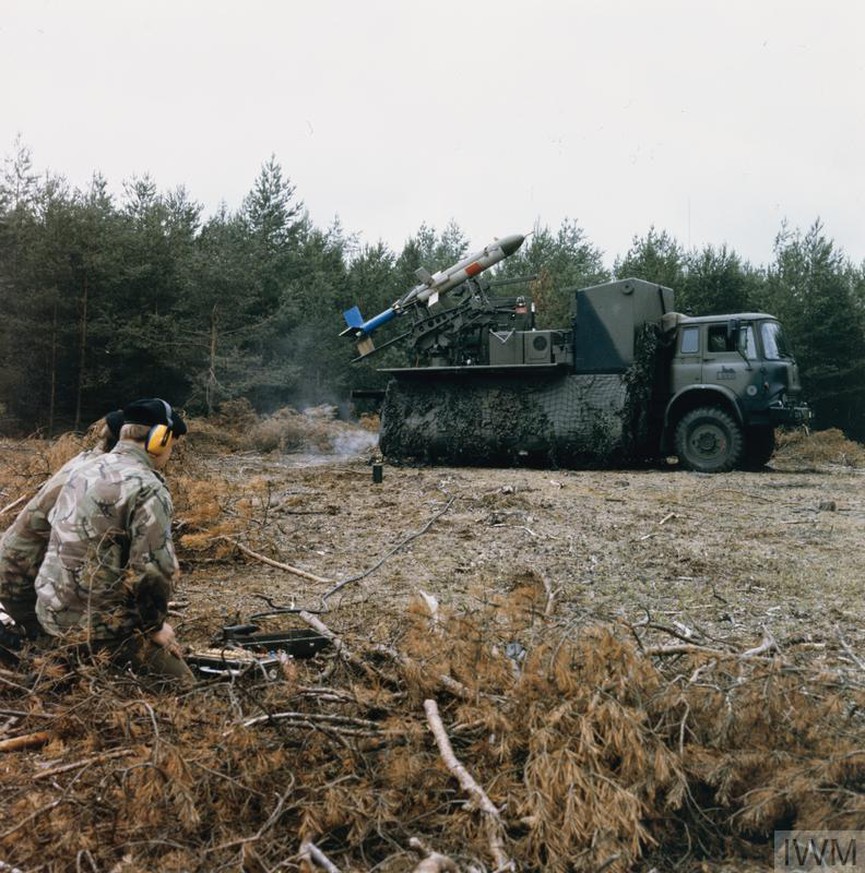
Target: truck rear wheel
point(709, 440)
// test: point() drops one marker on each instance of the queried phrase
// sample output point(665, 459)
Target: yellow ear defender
point(158, 439)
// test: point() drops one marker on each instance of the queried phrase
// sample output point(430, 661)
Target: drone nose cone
point(510, 244)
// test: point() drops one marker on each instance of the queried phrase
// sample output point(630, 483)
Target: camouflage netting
point(597, 751)
point(567, 421)
point(646, 377)
point(559, 420)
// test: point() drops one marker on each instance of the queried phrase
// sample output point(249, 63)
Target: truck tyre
point(709, 440)
point(759, 446)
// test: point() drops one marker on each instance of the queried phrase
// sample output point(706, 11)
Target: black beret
point(114, 420)
point(153, 411)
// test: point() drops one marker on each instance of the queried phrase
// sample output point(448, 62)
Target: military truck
point(629, 380)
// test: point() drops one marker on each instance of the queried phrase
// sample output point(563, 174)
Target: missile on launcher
point(429, 289)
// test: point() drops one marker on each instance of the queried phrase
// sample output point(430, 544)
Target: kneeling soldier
point(110, 567)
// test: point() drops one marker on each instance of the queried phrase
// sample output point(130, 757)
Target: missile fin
point(423, 275)
point(352, 317)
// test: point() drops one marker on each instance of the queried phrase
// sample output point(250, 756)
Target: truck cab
point(733, 379)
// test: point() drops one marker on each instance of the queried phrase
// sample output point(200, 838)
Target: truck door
point(688, 368)
point(722, 363)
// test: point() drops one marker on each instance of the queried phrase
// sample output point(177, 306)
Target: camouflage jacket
point(23, 546)
point(110, 565)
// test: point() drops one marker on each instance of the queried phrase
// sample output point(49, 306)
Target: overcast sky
point(714, 120)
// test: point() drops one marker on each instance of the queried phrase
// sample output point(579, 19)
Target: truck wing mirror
point(734, 330)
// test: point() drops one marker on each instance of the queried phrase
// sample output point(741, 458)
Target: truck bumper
point(789, 413)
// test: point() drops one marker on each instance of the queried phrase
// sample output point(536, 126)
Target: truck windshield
point(774, 342)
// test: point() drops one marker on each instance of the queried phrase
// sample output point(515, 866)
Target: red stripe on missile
point(473, 269)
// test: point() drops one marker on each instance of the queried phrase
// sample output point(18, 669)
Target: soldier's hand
point(165, 636)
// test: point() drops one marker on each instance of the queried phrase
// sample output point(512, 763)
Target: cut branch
point(26, 741)
point(271, 821)
point(84, 762)
point(687, 649)
point(341, 649)
point(848, 651)
point(492, 820)
point(433, 862)
point(278, 564)
point(453, 685)
point(307, 718)
point(768, 645)
point(312, 854)
point(13, 504)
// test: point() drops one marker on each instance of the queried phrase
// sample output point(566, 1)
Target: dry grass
point(819, 448)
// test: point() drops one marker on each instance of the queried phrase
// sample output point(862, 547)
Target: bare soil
point(733, 557)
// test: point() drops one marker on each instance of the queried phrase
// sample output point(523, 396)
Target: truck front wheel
point(709, 440)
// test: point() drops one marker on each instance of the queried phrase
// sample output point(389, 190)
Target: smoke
point(350, 443)
point(343, 439)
